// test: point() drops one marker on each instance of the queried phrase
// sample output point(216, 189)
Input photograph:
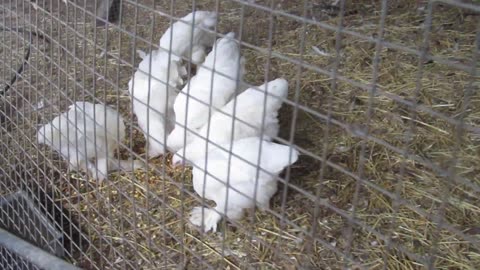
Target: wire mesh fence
point(317, 135)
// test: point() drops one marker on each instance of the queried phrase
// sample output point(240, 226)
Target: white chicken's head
point(163, 67)
point(207, 18)
point(204, 19)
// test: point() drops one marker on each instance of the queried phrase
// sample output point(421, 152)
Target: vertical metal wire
point(107, 150)
point(459, 132)
point(164, 160)
point(183, 215)
point(210, 102)
point(323, 166)
point(147, 134)
point(19, 89)
point(18, 179)
point(4, 57)
point(38, 170)
point(95, 173)
point(75, 97)
point(150, 78)
point(105, 49)
point(119, 90)
point(292, 129)
point(262, 125)
point(411, 127)
point(89, 230)
point(366, 130)
point(69, 187)
point(164, 174)
point(229, 159)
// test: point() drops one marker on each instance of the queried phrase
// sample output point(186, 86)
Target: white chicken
point(153, 99)
point(208, 89)
point(250, 108)
point(85, 132)
point(179, 37)
point(242, 178)
point(152, 96)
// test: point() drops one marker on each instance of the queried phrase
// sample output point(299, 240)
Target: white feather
point(154, 85)
point(208, 89)
point(87, 131)
point(250, 108)
point(141, 54)
point(179, 37)
point(241, 175)
point(153, 98)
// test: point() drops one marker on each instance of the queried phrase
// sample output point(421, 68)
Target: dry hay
point(139, 219)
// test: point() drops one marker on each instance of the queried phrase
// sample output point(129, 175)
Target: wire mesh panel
point(251, 134)
point(10, 260)
point(19, 211)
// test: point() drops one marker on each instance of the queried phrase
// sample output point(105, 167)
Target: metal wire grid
point(51, 171)
point(11, 261)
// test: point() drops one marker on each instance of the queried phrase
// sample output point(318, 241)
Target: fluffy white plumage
point(250, 108)
point(180, 35)
point(152, 97)
point(243, 179)
point(80, 139)
point(215, 92)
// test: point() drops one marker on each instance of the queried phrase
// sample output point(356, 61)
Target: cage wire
point(383, 107)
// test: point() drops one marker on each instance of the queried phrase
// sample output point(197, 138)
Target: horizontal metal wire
point(352, 82)
point(349, 128)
